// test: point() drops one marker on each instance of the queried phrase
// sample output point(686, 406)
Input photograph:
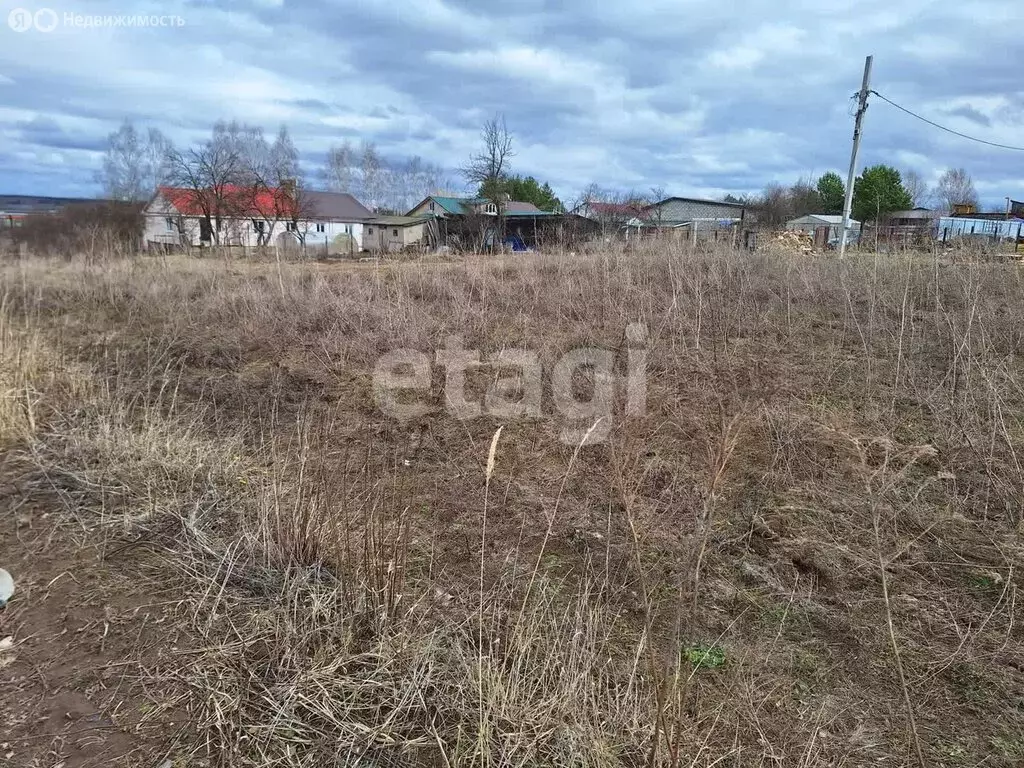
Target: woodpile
point(793, 239)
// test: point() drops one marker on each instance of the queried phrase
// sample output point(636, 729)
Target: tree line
point(878, 191)
point(135, 162)
point(239, 156)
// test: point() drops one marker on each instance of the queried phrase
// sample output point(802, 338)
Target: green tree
point(525, 189)
point(832, 193)
point(878, 191)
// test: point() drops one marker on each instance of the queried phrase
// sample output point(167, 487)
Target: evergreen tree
point(525, 189)
point(878, 191)
point(832, 193)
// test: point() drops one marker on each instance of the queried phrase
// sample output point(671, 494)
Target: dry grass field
point(805, 552)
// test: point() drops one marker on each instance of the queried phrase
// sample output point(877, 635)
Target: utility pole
point(862, 107)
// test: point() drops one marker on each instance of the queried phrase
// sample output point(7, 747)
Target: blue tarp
point(516, 243)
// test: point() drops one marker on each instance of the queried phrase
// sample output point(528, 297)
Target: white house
point(327, 221)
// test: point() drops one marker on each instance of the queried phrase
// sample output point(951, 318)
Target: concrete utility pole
point(862, 107)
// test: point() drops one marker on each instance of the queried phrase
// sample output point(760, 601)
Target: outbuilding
point(813, 222)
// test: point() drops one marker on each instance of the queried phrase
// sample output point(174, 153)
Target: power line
point(944, 128)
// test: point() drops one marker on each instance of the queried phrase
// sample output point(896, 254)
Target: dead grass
point(805, 553)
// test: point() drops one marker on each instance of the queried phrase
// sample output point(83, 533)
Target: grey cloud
point(312, 105)
point(46, 132)
point(970, 113)
point(688, 96)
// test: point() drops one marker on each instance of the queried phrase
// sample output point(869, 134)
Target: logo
point(22, 20)
point(46, 20)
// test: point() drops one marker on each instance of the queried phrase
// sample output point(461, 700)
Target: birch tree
point(134, 163)
point(956, 187)
point(340, 170)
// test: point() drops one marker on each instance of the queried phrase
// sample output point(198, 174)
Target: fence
point(951, 227)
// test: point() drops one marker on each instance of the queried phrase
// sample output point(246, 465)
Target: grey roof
point(398, 221)
point(826, 218)
point(462, 206)
point(517, 206)
point(916, 213)
point(336, 206)
point(700, 200)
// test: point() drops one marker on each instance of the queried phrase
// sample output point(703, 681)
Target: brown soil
point(82, 628)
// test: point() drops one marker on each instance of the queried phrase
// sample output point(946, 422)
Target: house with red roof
point(615, 217)
point(232, 215)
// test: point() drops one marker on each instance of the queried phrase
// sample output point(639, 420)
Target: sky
point(695, 98)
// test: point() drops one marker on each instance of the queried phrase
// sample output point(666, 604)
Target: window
point(432, 206)
point(394, 232)
point(369, 230)
point(257, 225)
point(170, 224)
point(291, 226)
point(321, 227)
point(348, 229)
point(491, 208)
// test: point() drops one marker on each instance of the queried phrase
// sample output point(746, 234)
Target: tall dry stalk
point(488, 471)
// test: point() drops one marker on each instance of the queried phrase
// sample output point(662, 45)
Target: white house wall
point(329, 238)
point(242, 232)
point(158, 231)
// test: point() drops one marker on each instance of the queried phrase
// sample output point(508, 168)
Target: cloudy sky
point(700, 98)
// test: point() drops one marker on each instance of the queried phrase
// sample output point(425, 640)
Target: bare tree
point(273, 185)
point(487, 169)
point(292, 202)
point(374, 175)
point(341, 165)
point(652, 212)
point(956, 187)
point(613, 211)
point(803, 198)
point(271, 174)
point(777, 204)
point(773, 206)
point(133, 163)
point(381, 183)
point(256, 180)
point(255, 193)
point(413, 180)
point(914, 183)
point(302, 211)
point(210, 173)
